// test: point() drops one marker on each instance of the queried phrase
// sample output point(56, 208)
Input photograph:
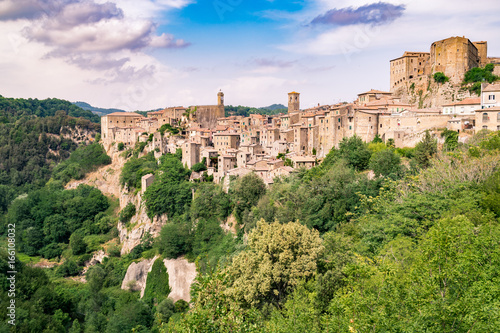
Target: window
point(491, 97)
point(369, 118)
point(485, 127)
point(498, 116)
point(399, 136)
point(485, 117)
point(350, 127)
point(380, 125)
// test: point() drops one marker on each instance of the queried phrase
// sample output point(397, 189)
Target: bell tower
point(293, 102)
point(220, 98)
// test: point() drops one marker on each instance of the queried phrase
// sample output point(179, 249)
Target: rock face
point(138, 273)
point(425, 93)
point(106, 178)
point(181, 275)
point(142, 224)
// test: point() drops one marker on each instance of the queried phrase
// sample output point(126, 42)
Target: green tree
point(377, 139)
point(425, 150)
point(77, 244)
point(157, 287)
point(386, 163)
point(355, 152)
point(451, 140)
point(174, 240)
point(278, 257)
point(210, 201)
point(245, 193)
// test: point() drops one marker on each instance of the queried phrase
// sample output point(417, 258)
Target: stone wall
point(424, 93)
point(454, 56)
point(207, 115)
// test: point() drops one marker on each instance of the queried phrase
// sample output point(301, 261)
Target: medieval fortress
point(237, 145)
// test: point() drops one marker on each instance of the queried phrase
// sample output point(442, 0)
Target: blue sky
point(156, 53)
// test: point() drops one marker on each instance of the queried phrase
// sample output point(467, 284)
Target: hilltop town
point(272, 146)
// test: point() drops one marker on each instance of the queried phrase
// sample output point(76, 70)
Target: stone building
point(172, 116)
point(453, 56)
point(488, 119)
point(226, 140)
point(466, 107)
point(293, 102)
point(147, 181)
point(116, 121)
point(191, 153)
point(490, 96)
point(206, 115)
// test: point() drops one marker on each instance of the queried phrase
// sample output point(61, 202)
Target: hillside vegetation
point(35, 135)
point(413, 246)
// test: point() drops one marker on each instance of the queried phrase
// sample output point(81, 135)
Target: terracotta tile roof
point(492, 87)
point(467, 101)
point(373, 91)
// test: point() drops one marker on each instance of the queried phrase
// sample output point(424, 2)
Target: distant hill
point(275, 107)
point(247, 110)
point(98, 111)
point(102, 112)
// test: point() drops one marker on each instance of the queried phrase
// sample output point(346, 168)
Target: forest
point(374, 238)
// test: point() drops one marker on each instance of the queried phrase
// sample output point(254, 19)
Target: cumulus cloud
point(28, 9)
point(375, 13)
point(91, 34)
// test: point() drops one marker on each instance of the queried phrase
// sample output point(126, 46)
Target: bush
point(121, 146)
point(135, 168)
point(83, 160)
point(199, 167)
point(68, 268)
point(127, 213)
point(439, 77)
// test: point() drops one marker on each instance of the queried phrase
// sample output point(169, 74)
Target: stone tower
point(220, 98)
point(293, 102)
point(482, 50)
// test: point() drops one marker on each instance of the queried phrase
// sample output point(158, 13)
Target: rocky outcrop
point(137, 274)
point(181, 275)
point(106, 178)
point(425, 93)
point(140, 224)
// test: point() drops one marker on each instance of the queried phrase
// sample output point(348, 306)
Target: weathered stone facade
point(452, 56)
point(293, 102)
point(488, 119)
